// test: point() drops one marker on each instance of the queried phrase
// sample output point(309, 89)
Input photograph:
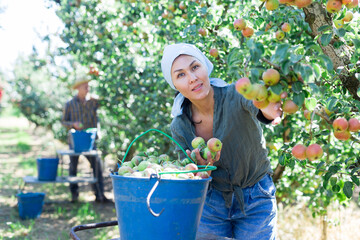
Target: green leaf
point(277, 88)
point(336, 188)
point(281, 51)
point(295, 58)
point(255, 75)
point(331, 102)
point(348, 189)
point(334, 169)
point(324, 27)
point(327, 61)
point(282, 160)
point(299, 98)
point(333, 181)
point(325, 39)
point(310, 104)
point(340, 32)
point(356, 43)
point(355, 180)
point(297, 87)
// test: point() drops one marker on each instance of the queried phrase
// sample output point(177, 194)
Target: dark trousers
point(95, 163)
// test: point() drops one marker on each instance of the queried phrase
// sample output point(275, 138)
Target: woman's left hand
point(273, 112)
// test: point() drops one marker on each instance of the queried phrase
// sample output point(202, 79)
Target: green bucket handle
point(205, 168)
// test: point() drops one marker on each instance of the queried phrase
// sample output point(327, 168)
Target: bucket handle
point(156, 130)
point(151, 193)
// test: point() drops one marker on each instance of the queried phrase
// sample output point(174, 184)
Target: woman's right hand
point(78, 125)
point(201, 161)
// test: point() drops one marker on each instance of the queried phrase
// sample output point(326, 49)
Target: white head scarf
point(171, 52)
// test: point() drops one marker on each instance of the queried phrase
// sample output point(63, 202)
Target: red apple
point(191, 167)
point(214, 144)
point(354, 125)
point(251, 94)
point(198, 142)
point(302, 3)
point(202, 32)
point(273, 97)
point(348, 16)
point(286, 27)
point(247, 32)
point(271, 77)
point(307, 114)
point(182, 6)
point(353, 4)
point(340, 124)
point(239, 24)
point(214, 52)
point(261, 104)
point(314, 152)
point(299, 151)
point(261, 92)
point(202, 175)
point(333, 6)
point(243, 85)
point(290, 107)
point(279, 35)
point(272, 4)
point(342, 135)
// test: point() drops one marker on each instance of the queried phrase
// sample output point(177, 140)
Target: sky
point(21, 23)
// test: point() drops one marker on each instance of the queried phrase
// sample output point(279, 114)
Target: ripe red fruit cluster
point(334, 6)
point(312, 152)
point(240, 25)
point(343, 127)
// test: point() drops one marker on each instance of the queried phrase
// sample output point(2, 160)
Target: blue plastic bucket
point(30, 204)
point(47, 168)
point(182, 201)
point(84, 140)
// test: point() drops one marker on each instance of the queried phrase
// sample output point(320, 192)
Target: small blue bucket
point(47, 168)
point(84, 140)
point(182, 201)
point(30, 204)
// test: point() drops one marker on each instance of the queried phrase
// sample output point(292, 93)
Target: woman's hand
point(201, 161)
point(273, 112)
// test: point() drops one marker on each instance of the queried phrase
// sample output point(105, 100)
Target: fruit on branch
point(307, 114)
point(290, 107)
point(354, 125)
point(243, 85)
point(333, 6)
point(342, 135)
point(279, 35)
point(271, 77)
point(273, 97)
point(299, 151)
point(271, 5)
point(353, 4)
point(247, 32)
point(340, 124)
point(286, 27)
point(314, 152)
point(214, 52)
point(182, 6)
point(346, 1)
point(268, 26)
point(339, 23)
point(239, 24)
point(251, 94)
point(261, 92)
point(261, 104)
point(302, 3)
point(348, 16)
point(202, 32)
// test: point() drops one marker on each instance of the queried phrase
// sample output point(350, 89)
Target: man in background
point(81, 113)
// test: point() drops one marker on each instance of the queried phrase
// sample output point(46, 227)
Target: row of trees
point(317, 61)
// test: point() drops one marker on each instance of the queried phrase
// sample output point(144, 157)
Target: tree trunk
point(317, 16)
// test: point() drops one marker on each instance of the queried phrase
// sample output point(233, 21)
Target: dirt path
point(21, 143)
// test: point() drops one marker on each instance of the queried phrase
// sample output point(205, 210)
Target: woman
point(240, 201)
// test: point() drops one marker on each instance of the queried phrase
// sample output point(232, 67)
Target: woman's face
point(190, 77)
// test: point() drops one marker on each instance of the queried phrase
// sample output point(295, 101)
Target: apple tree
point(312, 45)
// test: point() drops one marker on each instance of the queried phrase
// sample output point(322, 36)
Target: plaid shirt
point(77, 111)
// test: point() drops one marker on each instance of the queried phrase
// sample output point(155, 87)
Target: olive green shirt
point(243, 160)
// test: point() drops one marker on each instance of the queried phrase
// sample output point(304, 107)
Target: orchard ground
point(22, 143)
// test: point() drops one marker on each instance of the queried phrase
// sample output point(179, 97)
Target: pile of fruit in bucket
point(144, 165)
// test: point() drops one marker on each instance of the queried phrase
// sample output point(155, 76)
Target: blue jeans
point(258, 222)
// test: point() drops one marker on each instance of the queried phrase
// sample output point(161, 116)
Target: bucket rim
point(31, 194)
point(162, 179)
point(47, 158)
